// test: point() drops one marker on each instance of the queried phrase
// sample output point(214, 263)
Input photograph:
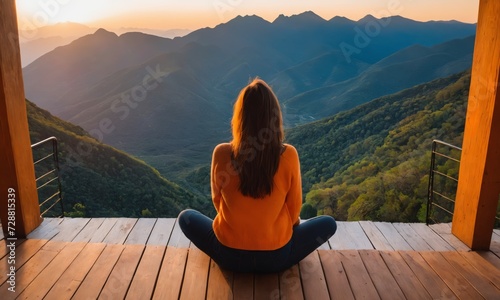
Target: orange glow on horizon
point(196, 14)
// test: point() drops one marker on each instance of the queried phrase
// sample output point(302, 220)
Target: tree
point(308, 211)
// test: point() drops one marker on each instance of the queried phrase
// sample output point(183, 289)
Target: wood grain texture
point(120, 277)
point(336, 276)
point(71, 279)
point(93, 283)
point(143, 283)
point(313, 278)
point(220, 283)
point(16, 158)
point(168, 285)
point(290, 284)
point(194, 285)
point(381, 276)
point(479, 179)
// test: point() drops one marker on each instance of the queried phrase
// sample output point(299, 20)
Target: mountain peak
point(340, 19)
point(367, 18)
point(246, 20)
point(307, 16)
point(101, 32)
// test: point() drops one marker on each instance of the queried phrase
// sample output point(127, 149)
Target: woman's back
point(244, 222)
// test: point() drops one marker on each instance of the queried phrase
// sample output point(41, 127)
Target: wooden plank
point(377, 239)
point(169, 281)
point(358, 236)
point(480, 282)
point(381, 276)
point(495, 244)
point(491, 272)
point(408, 282)
point(404, 275)
point(456, 282)
point(313, 279)
point(143, 283)
point(194, 285)
point(121, 277)
point(71, 279)
point(161, 232)
point(141, 231)
point(360, 281)
point(393, 237)
point(267, 286)
point(47, 230)
point(490, 257)
point(119, 233)
point(441, 228)
point(341, 239)
point(92, 285)
point(434, 285)
point(69, 229)
point(23, 253)
point(436, 242)
point(243, 286)
point(335, 275)
point(41, 285)
point(411, 237)
point(290, 284)
point(31, 269)
point(220, 283)
point(88, 232)
point(103, 230)
point(178, 239)
point(444, 231)
point(5, 250)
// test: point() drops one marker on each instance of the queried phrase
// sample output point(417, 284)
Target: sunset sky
point(193, 14)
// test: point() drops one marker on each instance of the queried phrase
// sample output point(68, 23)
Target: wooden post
point(479, 177)
point(17, 174)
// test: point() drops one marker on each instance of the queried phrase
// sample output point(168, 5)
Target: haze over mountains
point(169, 101)
point(35, 42)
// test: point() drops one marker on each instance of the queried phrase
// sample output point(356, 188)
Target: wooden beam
point(479, 177)
point(17, 174)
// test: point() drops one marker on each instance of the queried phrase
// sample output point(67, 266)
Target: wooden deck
point(124, 258)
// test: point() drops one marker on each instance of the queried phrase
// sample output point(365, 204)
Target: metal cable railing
point(49, 181)
point(441, 193)
point(440, 203)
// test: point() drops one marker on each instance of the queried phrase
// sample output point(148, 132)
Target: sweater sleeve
point(294, 196)
point(214, 184)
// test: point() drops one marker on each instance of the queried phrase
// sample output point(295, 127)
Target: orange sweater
point(246, 223)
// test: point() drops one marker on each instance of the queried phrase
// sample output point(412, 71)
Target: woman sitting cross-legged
point(257, 193)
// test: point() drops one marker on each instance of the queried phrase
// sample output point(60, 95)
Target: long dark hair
point(257, 143)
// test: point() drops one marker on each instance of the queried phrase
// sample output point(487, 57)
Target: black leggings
point(306, 237)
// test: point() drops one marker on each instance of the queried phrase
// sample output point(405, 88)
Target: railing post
point(479, 177)
point(18, 194)
point(430, 194)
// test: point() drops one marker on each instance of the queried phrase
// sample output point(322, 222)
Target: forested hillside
point(372, 162)
point(100, 181)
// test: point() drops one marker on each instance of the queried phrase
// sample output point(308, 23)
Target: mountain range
point(169, 101)
point(37, 41)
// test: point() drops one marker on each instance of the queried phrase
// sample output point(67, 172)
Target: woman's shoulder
point(289, 148)
point(223, 148)
point(290, 152)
